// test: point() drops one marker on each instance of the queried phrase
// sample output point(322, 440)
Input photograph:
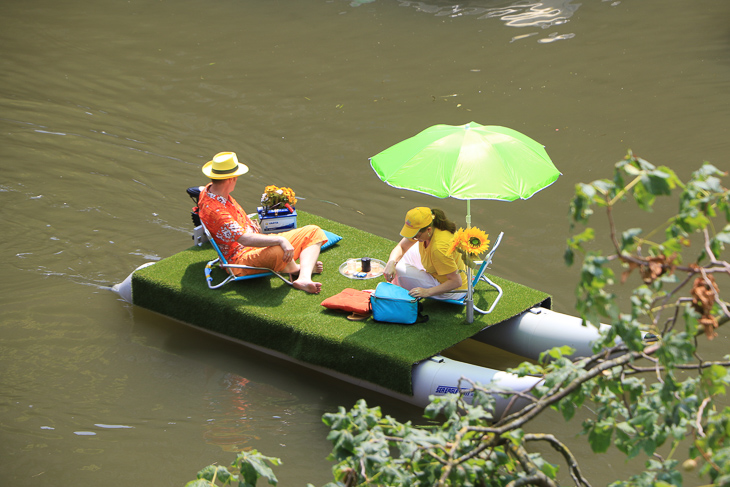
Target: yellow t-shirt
point(437, 262)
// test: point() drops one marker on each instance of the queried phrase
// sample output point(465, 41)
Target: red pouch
point(350, 300)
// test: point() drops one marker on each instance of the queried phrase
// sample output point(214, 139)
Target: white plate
point(355, 271)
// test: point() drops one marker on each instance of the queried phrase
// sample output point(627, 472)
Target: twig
point(700, 412)
point(612, 227)
point(703, 365)
point(535, 476)
point(575, 473)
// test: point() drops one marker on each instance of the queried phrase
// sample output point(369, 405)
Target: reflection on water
point(547, 13)
point(243, 411)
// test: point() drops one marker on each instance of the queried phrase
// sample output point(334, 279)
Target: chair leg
point(209, 278)
point(241, 266)
point(499, 296)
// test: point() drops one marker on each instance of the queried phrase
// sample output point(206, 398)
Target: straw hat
point(223, 166)
point(416, 219)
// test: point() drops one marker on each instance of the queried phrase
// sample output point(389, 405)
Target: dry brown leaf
point(625, 274)
point(657, 266)
point(703, 294)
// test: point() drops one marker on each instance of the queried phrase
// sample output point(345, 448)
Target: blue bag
point(392, 304)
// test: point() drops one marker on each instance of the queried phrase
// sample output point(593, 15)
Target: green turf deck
point(269, 313)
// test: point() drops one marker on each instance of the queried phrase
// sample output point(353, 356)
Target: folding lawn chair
point(221, 262)
point(479, 276)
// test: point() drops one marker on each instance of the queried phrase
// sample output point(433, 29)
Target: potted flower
point(277, 212)
point(275, 198)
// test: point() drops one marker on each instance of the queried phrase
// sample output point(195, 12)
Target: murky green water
point(108, 110)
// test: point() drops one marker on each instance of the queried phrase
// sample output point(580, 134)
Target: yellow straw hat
point(223, 166)
point(416, 219)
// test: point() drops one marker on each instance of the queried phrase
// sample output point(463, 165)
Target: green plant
point(648, 385)
point(245, 471)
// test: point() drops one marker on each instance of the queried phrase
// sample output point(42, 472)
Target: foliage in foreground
point(653, 397)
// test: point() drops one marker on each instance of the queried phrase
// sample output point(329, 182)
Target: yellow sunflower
point(456, 242)
point(473, 241)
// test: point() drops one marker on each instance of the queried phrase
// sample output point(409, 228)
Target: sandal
point(358, 317)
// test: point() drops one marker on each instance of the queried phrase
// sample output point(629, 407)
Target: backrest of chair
point(215, 245)
point(487, 260)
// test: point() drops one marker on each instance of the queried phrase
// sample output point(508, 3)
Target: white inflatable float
point(531, 333)
point(526, 335)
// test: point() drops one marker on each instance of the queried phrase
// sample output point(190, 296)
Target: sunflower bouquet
point(275, 197)
point(470, 242)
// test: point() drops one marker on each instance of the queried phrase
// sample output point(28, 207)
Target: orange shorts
point(273, 257)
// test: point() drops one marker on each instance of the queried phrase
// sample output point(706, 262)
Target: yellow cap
point(416, 219)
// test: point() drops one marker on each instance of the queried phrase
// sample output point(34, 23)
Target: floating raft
point(268, 314)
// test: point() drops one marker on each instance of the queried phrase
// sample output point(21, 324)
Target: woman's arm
point(396, 255)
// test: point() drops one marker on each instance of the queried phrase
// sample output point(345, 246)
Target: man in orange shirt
point(240, 239)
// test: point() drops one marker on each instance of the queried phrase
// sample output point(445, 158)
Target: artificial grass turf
point(269, 313)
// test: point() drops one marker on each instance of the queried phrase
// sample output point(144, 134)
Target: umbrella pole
point(469, 293)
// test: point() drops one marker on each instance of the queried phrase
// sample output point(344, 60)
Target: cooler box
point(278, 220)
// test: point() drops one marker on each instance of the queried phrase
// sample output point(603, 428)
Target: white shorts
point(409, 273)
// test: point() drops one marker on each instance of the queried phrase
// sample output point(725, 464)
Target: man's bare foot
point(309, 286)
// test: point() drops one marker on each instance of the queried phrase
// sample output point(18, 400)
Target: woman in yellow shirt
point(427, 269)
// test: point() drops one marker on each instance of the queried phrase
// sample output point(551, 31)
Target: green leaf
point(567, 408)
point(545, 467)
point(600, 435)
point(556, 353)
point(626, 428)
point(660, 182)
point(218, 472)
point(643, 196)
point(514, 436)
point(604, 188)
point(198, 483)
point(252, 466)
point(628, 238)
point(713, 380)
point(569, 256)
point(580, 206)
point(441, 405)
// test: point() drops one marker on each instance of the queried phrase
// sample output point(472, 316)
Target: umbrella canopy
point(469, 161)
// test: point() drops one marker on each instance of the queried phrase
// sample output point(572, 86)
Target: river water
point(109, 109)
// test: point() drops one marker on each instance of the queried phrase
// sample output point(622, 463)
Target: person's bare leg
point(308, 263)
point(294, 275)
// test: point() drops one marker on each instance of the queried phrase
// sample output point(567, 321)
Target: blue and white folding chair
point(479, 276)
point(221, 262)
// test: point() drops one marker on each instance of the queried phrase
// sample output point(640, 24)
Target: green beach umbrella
point(467, 162)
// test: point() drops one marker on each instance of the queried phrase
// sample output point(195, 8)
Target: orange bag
point(350, 300)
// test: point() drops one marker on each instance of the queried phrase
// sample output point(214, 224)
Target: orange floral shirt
point(226, 221)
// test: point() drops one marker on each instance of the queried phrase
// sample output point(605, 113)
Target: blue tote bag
point(392, 304)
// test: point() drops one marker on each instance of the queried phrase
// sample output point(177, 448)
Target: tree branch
point(533, 410)
point(535, 476)
point(575, 473)
point(642, 370)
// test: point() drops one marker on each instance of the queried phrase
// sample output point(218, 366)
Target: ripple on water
point(520, 14)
